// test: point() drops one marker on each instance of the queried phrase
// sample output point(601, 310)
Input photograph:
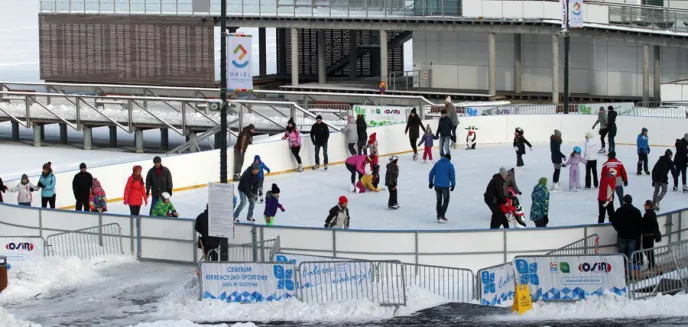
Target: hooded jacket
point(520, 143)
point(293, 135)
point(662, 168)
point(81, 185)
point(358, 161)
point(443, 174)
point(201, 226)
point(159, 181)
point(495, 190)
point(366, 183)
point(392, 175)
point(627, 221)
point(590, 151)
point(681, 150)
point(555, 148)
point(320, 133)
point(361, 129)
point(601, 119)
point(643, 143)
point(261, 167)
point(338, 217)
point(245, 138)
point(611, 121)
point(414, 125)
point(135, 191)
point(98, 200)
point(428, 138)
point(350, 131)
point(24, 191)
point(540, 196)
point(271, 204)
point(163, 209)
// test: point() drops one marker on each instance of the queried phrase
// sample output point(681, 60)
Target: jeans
point(392, 196)
point(591, 170)
point(442, 201)
point(612, 143)
point(317, 153)
point(25, 204)
point(238, 161)
point(154, 201)
point(48, 200)
point(602, 210)
point(295, 151)
point(251, 204)
point(444, 145)
point(620, 193)
point(134, 210)
point(658, 196)
point(352, 149)
point(626, 246)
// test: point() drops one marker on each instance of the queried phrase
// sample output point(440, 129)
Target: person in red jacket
point(605, 198)
point(621, 177)
point(135, 192)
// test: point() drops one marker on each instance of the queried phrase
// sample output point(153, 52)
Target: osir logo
point(595, 267)
point(26, 246)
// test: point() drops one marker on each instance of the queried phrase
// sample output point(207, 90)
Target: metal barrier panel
point(251, 252)
point(662, 269)
point(588, 245)
point(86, 243)
point(495, 285)
point(455, 284)
point(381, 282)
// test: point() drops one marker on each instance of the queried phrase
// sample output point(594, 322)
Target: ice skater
point(605, 196)
point(262, 168)
point(520, 143)
point(413, 127)
point(621, 176)
point(391, 178)
point(451, 112)
point(539, 210)
point(643, 151)
point(338, 216)
point(574, 171)
point(660, 178)
point(272, 204)
point(495, 198)
point(24, 189)
point(164, 207)
point(444, 132)
point(557, 158)
point(350, 134)
point(611, 124)
point(97, 200)
point(513, 207)
point(362, 132)
point(471, 138)
point(373, 148)
point(293, 135)
point(590, 156)
point(602, 120)
point(428, 142)
point(443, 178)
point(3, 189)
point(681, 161)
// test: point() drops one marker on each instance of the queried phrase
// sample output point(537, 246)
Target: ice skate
point(442, 220)
point(675, 188)
point(415, 156)
point(657, 207)
point(647, 172)
point(236, 220)
point(352, 189)
point(299, 168)
point(556, 187)
point(685, 188)
point(602, 150)
point(316, 167)
point(394, 207)
point(425, 162)
point(237, 177)
point(250, 220)
point(639, 173)
point(325, 166)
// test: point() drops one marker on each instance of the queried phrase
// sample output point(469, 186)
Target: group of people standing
point(25, 188)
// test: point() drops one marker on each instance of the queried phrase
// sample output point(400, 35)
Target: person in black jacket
point(3, 189)
point(413, 125)
point(338, 216)
point(660, 180)
point(681, 161)
point(650, 232)
point(362, 131)
point(611, 125)
point(494, 197)
point(627, 221)
point(557, 157)
point(520, 143)
point(391, 178)
point(320, 134)
point(444, 132)
point(209, 242)
point(248, 190)
point(81, 186)
point(158, 181)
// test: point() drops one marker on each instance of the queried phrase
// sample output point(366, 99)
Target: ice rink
point(309, 195)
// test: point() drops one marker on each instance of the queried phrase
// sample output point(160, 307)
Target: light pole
point(567, 48)
point(223, 91)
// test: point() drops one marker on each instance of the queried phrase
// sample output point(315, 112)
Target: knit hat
point(275, 189)
point(668, 152)
point(372, 138)
point(611, 155)
point(610, 107)
point(82, 165)
point(25, 176)
point(542, 181)
point(503, 172)
point(157, 160)
point(343, 199)
point(318, 117)
point(644, 130)
point(588, 135)
point(628, 199)
point(444, 111)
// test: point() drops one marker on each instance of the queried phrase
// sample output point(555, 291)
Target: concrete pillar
point(88, 138)
point(42, 132)
point(383, 55)
point(37, 134)
point(282, 50)
point(138, 140)
point(15, 131)
point(518, 64)
point(262, 52)
point(353, 49)
point(492, 63)
point(192, 136)
point(63, 133)
point(646, 74)
point(113, 136)
point(555, 69)
point(294, 57)
point(657, 73)
point(164, 139)
point(322, 68)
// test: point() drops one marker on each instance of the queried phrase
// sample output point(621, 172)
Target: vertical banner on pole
point(576, 13)
point(564, 8)
point(240, 76)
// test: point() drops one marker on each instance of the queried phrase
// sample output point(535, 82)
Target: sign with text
point(497, 285)
point(239, 51)
point(333, 273)
point(247, 282)
point(382, 115)
point(21, 249)
point(622, 108)
point(575, 11)
point(570, 278)
point(221, 210)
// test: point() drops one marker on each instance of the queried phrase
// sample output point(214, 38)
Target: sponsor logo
point(595, 267)
point(25, 246)
point(240, 52)
point(553, 266)
point(564, 267)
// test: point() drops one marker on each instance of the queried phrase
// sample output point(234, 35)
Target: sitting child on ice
point(366, 183)
point(428, 141)
point(97, 200)
point(271, 204)
point(471, 138)
point(164, 207)
point(512, 208)
point(574, 173)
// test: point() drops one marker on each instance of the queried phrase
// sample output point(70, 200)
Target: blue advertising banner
point(497, 285)
point(247, 282)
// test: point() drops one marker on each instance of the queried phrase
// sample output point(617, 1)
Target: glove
point(653, 184)
point(40, 184)
point(563, 165)
point(658, 237)
point(519, 193)
point(32, 189)
point(516, 148)
point(282, 208)
point(451, 188)
point(147, 195)
point(431, 185)
point(625, 183)
point(126, 203)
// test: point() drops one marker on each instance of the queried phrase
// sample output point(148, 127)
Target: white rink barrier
point(174, 239)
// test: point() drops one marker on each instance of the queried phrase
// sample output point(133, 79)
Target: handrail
point(115, 97)
point(294, 104)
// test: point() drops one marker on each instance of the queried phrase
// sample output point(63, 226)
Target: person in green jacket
point(164, 207)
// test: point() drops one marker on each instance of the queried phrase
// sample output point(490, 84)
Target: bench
point(100, 102)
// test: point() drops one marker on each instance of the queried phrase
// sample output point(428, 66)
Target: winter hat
point(96, 185)
point(503, 172)
point(157, 160)
point(649, 203)
point(576, 149)
point(602, 109)
point(318, 117)
point(588, 135)
point(444, 111)
point(413, 111)
point(275, 189)
point(644, 130)
point(82, 165)
point(519, 130)
point(48, 166)
point(428, 130)
point(611, 108)
point(165, 195)
point(557, 133)
point(628, 199)
point(137, 167)
point(393, 158)
point(668, 153)
point(250, 127)
point(350, 119)
point(343, 199)
point(542, 181)
point(448, 156)
point(256, 158)
point(372, 138)
point(448, 100)
point(611, 155)
point(25, 177)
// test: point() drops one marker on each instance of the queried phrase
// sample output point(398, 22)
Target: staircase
point(395, 40)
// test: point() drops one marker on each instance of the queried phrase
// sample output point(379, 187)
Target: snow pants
point(591, 171)
point(427, 153)
point(574, 177)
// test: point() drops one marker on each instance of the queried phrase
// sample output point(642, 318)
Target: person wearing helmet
point(605, 197)
point(164, 207)
point(643, 150)
point(520, 143)
point(627, 222)
point(339, 215)
point(574, 172)
point(391, 177)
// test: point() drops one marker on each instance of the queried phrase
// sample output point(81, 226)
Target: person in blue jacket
point(47, 185)
point(443, 179)
point(261, 176)
point(643, 151)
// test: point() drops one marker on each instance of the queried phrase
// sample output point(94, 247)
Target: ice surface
point(308, 196)
point(8, 320)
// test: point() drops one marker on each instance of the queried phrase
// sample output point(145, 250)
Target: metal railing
point(261, 251)
point(648, 17)
point(380, 282)
point(86, 243)
point(588, 245)
point(662, 269)
point(454, 284)
point(409, 79)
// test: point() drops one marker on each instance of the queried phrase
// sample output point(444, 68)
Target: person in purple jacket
point(271, 204)
point(428, 138)
point(356, 164)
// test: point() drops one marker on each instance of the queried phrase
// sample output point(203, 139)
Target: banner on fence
point(317, 273)
point(490, 111)
point(296, 259)
point(239, 52)
point(21, 249)
point(221, 210)
point(382, 115)
point(622, 108)
point(497, 285)
point(569, 278)
point(247, 282)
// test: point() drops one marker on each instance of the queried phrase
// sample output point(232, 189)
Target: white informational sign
point(576, 13)
point(247, 282)
point(497, 285)
point(21, 249)
point(239, 73)
point(569, 278)
point(382, 115)
point(221, 210)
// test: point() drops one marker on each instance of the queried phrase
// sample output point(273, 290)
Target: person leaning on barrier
point(244, 139)
point(627, 221)
point(205, 242)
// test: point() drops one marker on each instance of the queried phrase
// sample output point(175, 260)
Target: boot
point(415, 156)
point(316, 166)
point(556, 187)
point(647, 172)
point(602, 150)
point(325, 166)
point(675, 188)
point(685, 188)
point(299, 168)
point(352, 188)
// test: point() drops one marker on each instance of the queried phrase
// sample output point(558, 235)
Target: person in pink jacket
point(574, 173)
point(356, 164)
point(294, 136)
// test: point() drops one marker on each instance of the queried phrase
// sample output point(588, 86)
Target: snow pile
point(185, 323)
point(8, 320)
point(609, 306)
point(47, 274)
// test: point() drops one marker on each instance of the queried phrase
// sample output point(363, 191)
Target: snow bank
point(606, 307)
point(53, 273)
point(8, 320)
point(186, 323)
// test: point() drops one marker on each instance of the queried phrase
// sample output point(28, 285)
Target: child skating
point(428, 141)
point(391, 178)
point(643, 151)
point(97, 201)
point(366, 184)
point(512, 208)
point(520, 143)
point(372, 148)
point(539, 210)
point(271, 204)
point(574, 171)
point(262, 167)
point(24, 188)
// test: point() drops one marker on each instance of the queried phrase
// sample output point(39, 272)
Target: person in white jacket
point(24, 188)
point(590, 155)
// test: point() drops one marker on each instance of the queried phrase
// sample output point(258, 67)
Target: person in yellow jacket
point(366, 183)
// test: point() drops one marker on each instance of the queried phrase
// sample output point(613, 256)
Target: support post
point(113, 136)
point(657, 76)
point(282, 51)
point(218, 137)
point(63, 133)
point(42, 132)
point(191, 136)
point(15, 131)
point(138, 140)
point(353, 49)
point(37, 134)
point(262, 52)
point(294, 56)
point(384, 73)
point(555, 69)
point(164, 139)
point(492, 63)
point(518, 64)
point(223, 92)
point(322, 68)
point(88, 137)
point(646, 74)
